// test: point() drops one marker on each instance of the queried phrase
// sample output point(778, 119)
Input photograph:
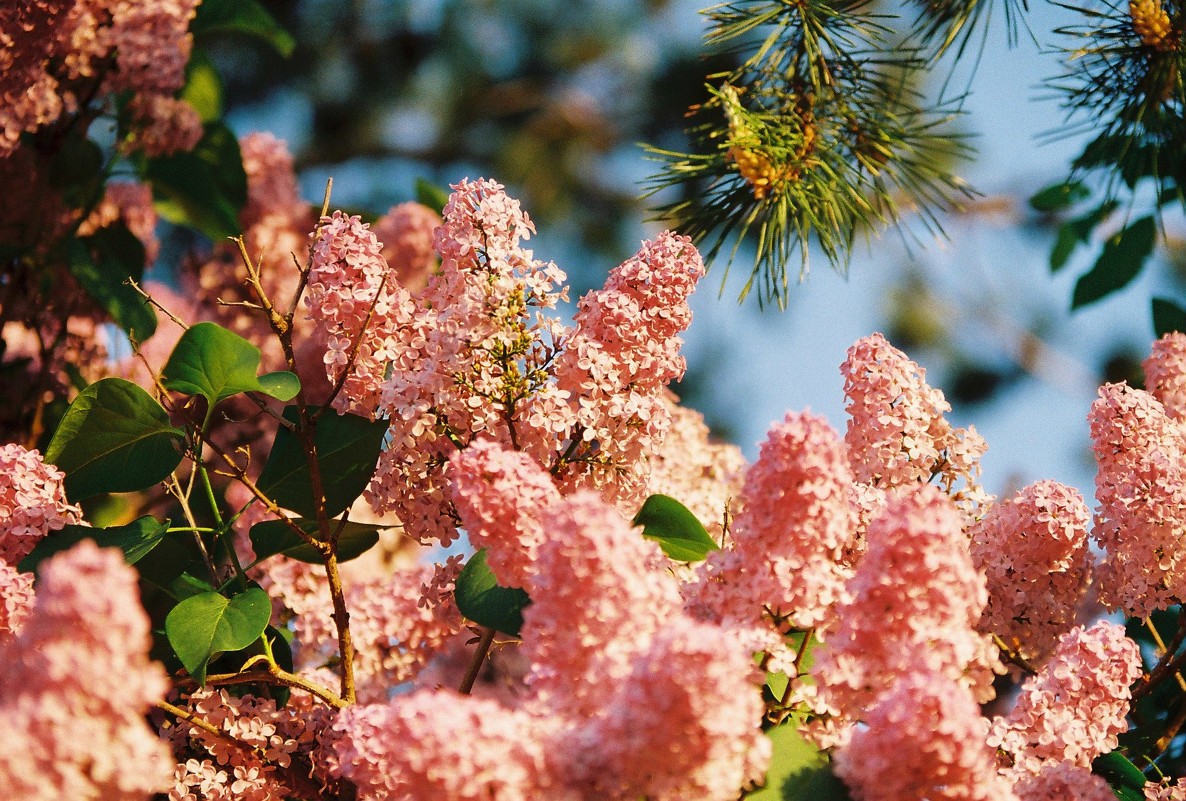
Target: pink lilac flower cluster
point(435, 745)
point(1074, 708)
point(501, 496)
point(29, 37)
point(357, 307)
point(1165, 373)
point(254, 759)
point(16, 600)
point(482, 359)
point(32, 502)
point(1141, 491)
point(616, 364)
point(1063, 781)
point(76, 685)
point(596, 602)
point(897, 433)
point(795, 521)
point(471, 361)
point(1033, 551)
point(55, 52)
point(947, 758)
point(915, 601)
point(407, 232)
point(628, 750)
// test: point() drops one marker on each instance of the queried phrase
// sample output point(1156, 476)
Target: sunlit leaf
point(211, 361)
point(207, 624)
point(681, 536)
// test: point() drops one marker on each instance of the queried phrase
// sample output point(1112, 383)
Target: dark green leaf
point(76, 169)
point(798, 771)
point(1123, 257)
point(205, 625)
point(1064, 246)
point(187, 585)
point(136, 540)
point(102, 263)
point(210, 361)
point(482, 600)
point(273, 537)
point(348, 449)
point(203, 189)
point(114, 438)
point(245, 17)
point(203, 86)
point(1168, 316)
point(431, 195)
point(681, 536)
point(1059, 196)
point(1119, 771)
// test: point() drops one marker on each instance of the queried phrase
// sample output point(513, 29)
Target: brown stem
point(277, 677)
point(475, 665)
point(1167, 664)
point(208, 727)
point(342, 623)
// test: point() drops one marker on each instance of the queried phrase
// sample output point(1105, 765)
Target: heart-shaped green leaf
point(482, 600)
point(207, 624)
point(210, 361)
point(273, 537)
point(681, 536)
point(114, 437)
point(348, 449)
point(136, 539)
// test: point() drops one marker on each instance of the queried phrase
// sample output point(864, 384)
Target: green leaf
point(431, 195)
point(681, 536)
point(1078, 231)
point(1125, 778)
point(1064, 245)
point(203, 189)
point(273, 537)
point(114, 438)
point(1123, 257)
point(205, 625)
point(1119, 771)
point(482, 600)
point(348, 449)
point(136, 540)
point(102, 263)
point(203, 86)
point(1167, 317)
point(798, 771)
point(210, 361)
point(77, 169)
point(187, 585)
point(245, 17)
point(1059, 196)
